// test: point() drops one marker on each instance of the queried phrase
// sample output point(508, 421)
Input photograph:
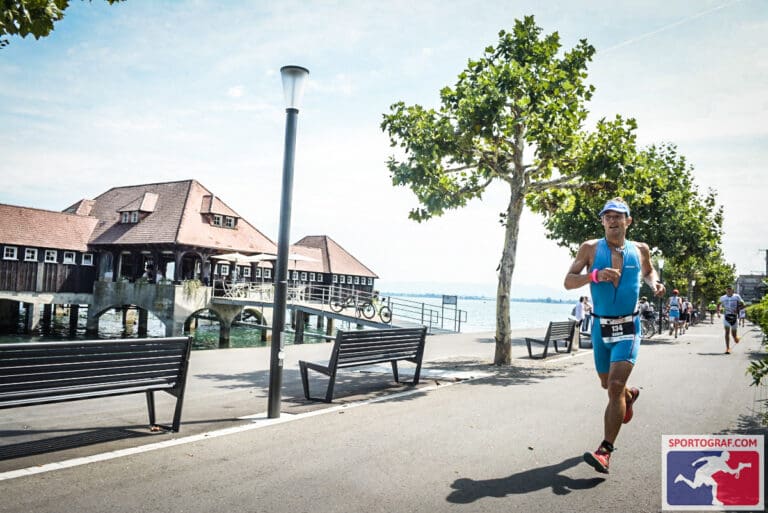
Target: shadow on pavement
point(468, 490)
point(60, 443)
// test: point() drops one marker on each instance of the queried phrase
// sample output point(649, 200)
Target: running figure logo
point(719, 480)
point(704, 475)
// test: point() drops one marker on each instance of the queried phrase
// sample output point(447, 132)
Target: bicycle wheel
point(368, 310)
point(648, 328)
point(385, 313)
point(336, 305)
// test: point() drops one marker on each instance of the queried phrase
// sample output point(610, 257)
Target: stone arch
point(255, 313)
point(192, 316)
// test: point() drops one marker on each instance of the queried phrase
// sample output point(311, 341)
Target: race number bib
point(617, 330)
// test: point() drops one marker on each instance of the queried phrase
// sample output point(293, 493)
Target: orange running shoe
point(629, 413)
point(599, 459)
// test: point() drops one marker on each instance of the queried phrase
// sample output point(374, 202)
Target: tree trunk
point(503, 354)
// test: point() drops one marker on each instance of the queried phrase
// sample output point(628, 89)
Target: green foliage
point(31, 17)
point(668, 211)
point(758, 314)
point(521, 93)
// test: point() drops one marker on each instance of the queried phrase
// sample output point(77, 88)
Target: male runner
point(614, 267)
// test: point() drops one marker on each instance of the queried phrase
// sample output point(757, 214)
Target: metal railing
point(403, 311)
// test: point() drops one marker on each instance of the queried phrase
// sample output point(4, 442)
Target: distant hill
point(477, 291)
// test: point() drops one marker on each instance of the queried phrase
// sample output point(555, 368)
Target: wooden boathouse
point(164, 248)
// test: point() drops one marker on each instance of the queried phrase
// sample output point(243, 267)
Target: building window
point(268, 273)
point(295, 275)
point(303, 276)
point(50, 255)
point(335, 278)
point(30, 255)
point(69, 257)
point(349, 280)
point(224, 269)
point(319, 278)
point(87, 258)
point(229, 222)
point(125, 217)
point(311, 276)
point(257, 272)
point(246, 272)
point(9, 253)
point(216, 220)
point(357, 280)
point(134, 217)
point(342, 279)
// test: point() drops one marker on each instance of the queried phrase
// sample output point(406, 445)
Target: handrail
point(434, 317)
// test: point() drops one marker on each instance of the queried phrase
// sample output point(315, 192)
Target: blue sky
point(145, 92)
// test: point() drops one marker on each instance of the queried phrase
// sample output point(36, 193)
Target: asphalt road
point(509, 441)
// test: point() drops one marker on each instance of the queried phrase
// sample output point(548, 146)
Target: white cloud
point(236, 91)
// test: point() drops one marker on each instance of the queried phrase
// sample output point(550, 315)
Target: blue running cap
point(616, 206)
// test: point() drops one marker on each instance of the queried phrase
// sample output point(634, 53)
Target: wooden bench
point(50, 372)
point(357, 348)
point(556, 331)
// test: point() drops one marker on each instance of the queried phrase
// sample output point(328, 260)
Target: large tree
point(515, 115)
point(670, 214)
point(31, 17)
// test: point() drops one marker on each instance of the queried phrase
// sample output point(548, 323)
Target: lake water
point(481, 313)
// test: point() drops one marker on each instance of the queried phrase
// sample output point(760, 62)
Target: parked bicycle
point(648, 325)
point(363, 307)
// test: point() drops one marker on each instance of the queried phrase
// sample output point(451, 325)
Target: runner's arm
point(650, 276)
point(584, 258)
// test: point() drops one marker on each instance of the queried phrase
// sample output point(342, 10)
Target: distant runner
point(730, 304)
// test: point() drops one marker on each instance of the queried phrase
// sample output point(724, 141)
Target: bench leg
point(394, 371)
point(542, 355)
point(417, 373)
point(331, 383)
point(151, 407)
point(177, 413)
point(304, 378)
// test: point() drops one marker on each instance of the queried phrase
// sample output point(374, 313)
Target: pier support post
point(143, 318)
point(298, 336)
point(74, 313)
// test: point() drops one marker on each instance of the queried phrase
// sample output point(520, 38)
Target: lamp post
point(294, 79)
point(661, 299)
point(693, 303)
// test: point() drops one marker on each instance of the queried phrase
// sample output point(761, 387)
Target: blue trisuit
point(616, 330)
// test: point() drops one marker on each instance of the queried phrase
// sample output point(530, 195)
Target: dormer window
point(129, 217)
point(229, 222)
point(216, 220)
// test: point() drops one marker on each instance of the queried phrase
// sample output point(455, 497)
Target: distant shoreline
point(484, 298)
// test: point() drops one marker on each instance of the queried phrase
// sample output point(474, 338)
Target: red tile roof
point(336, 259)
point(177, 218)
point(24, 226)
point(174, 213)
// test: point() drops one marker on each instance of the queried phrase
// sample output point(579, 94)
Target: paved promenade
point(471, 437)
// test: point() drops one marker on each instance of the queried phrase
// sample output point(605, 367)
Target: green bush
point(758, 314)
